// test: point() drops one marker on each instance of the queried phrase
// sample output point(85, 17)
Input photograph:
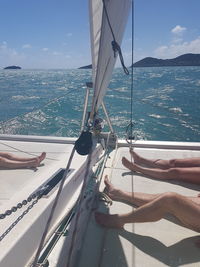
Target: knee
point(173, 173)
point(172, 163)
point(2, 160)
point(169, 199)
point(5, 155)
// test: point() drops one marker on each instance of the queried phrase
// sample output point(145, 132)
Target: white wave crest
point(22, 97)
point(176, 110)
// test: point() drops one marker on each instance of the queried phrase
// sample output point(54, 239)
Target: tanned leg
point(181, 207)
point(17, 164)
point(165, 164)
point(16, 158)
point(190, 174)
point(11, 164)
point(135, 198)
point(153, 163)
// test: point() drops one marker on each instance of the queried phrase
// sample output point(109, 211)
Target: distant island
point(12, 68)
point(183, 60)
point(86, 67)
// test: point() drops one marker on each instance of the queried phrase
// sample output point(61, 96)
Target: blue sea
point(166, 102)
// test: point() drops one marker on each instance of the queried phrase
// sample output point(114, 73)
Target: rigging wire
point(132, 60)
point(129, 129)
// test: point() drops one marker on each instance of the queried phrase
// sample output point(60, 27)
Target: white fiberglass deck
point(21, 242)
point(162, 243)
point(14, 180)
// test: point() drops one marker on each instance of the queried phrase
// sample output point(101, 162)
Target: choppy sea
point(166, 102)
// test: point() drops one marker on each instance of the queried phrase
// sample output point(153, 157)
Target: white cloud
point(178, 30)
point(177, 49)
point(9, 56)
point(55, 53)
point(26, 46)
point(45, 49)
point(3, 45)
point(69, 34)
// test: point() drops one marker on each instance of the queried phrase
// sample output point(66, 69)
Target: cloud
point(177, 49)
point(56, 53)
point(26, 46)
point(45, 49)
point(178, 30)
point(69, 34)
point(3, 45)
point(178, 45)
point(9, 56)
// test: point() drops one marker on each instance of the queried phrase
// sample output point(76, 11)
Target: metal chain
point(38, 194)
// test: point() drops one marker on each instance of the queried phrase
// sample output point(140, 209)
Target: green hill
point(183, 60)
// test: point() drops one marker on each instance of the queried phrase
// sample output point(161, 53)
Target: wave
point(176, 110)
point(21, 97)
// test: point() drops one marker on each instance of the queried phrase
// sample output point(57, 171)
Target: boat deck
point(17, 184)
point(13, 181)
point(162, 243)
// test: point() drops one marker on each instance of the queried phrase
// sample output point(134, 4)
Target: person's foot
point(35, 163)
point(107, 220)
point(129, 165)
point(42, 157)
point(111, 191)
point(137, 159)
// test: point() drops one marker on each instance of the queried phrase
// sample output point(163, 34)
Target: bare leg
point(181, 207)
point(13, 164)
point(165, 164)
point(135, 198)
point(16, 158)
point(190, 174)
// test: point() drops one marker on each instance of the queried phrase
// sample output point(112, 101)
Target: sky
point(54, 34)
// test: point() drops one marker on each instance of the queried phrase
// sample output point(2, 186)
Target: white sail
point(103, 59)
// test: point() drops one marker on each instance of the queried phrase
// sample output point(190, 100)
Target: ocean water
point(166, 102)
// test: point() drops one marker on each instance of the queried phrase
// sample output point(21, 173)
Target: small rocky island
point(183, 60)
point(12, 68)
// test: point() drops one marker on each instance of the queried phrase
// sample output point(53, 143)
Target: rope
point(116, 47)
point(79, 209)
point(82, 196)
point(53, 209)
point(26, 152)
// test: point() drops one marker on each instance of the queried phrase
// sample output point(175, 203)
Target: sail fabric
point(103, 59)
